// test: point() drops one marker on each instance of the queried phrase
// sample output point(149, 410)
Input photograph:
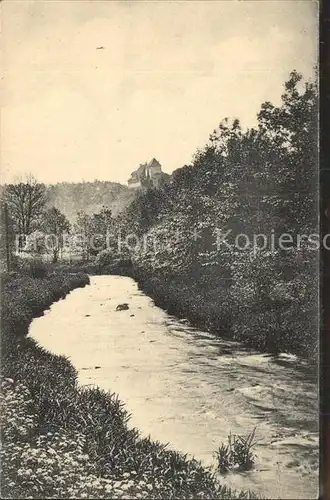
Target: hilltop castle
point(147, 175)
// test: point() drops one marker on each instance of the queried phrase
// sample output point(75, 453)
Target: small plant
point(223, 458)
point(237, 454)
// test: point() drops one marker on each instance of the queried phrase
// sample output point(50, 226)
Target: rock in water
point(122, 307)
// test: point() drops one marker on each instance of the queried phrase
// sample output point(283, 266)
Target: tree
point(82, 234)
point(92, 231)
point(55, 225)
point(26, 200)
point(291, 131)
point(257, 184)
point(7, 237)
point(100, 224)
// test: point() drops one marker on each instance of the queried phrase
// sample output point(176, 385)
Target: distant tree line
point(29, 224)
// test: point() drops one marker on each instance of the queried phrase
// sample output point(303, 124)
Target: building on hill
point(147, 175)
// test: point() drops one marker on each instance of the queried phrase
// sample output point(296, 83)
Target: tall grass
point(237, 454)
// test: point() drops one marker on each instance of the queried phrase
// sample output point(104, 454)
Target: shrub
point(31, 266)
point(37, 269)
point(105, 258)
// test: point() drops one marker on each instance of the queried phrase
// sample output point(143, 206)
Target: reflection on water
point(188, 388)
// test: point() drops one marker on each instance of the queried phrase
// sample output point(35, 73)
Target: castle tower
point(147, 174)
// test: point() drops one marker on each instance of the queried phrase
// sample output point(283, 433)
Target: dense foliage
point(259, 187)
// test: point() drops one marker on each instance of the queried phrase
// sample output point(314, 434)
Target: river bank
point(206, 301)
point(189, 388)
point(207, 304)
point(62, 440)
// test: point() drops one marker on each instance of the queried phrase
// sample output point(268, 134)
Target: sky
point(167, 73)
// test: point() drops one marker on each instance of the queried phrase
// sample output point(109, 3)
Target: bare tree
point(26, 200)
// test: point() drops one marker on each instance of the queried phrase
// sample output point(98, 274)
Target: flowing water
point(188, 388)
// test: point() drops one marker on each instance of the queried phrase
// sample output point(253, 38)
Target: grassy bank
point(203, 307)
point(63, 441)
point(282, 321)
point(273, 326)
point(27, 292)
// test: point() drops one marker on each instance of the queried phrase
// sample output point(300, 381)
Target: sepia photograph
point(159, 243)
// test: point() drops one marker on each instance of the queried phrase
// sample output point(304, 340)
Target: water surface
point(186, 387)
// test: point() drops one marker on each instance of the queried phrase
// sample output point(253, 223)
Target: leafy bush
point(111, 262)
point(37, 269)
point(105, 258)
point(31, 266)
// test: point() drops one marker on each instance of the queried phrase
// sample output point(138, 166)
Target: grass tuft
point(237, 454)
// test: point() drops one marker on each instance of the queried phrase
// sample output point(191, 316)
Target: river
point(188, 388)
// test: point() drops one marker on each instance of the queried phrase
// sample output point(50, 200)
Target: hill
point(71, 198)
